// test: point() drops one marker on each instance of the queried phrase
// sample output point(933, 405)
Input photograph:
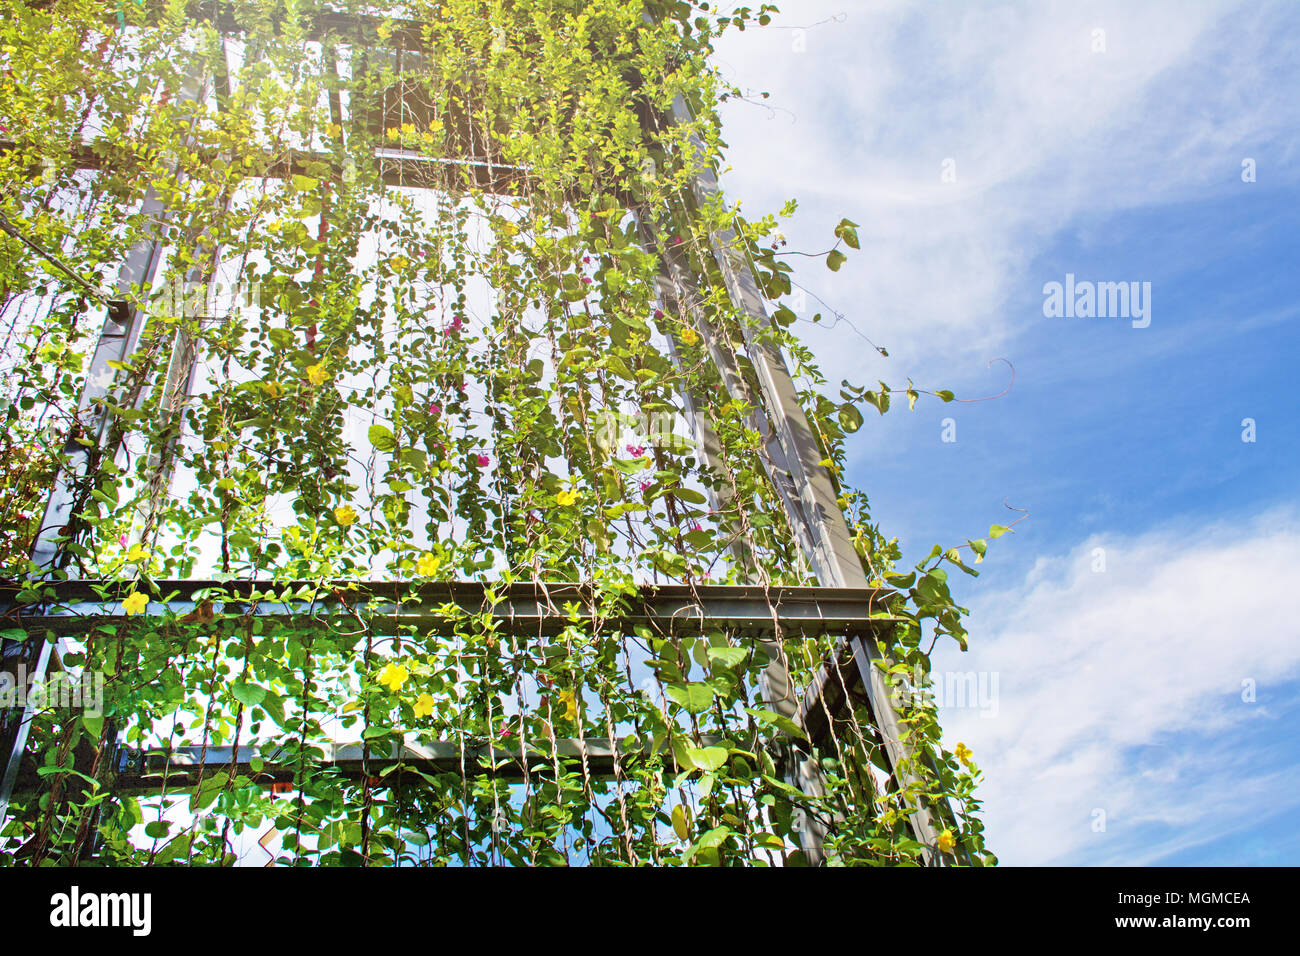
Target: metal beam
point(76, 606)
point(139, 771)
point(396, 168)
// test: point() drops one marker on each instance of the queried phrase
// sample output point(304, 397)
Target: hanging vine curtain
point(434, 302)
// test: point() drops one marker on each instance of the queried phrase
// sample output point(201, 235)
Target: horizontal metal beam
point(146, 772)
point(74, 606)
point(414, 171)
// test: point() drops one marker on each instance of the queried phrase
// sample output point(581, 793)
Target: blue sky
point(1120, 690)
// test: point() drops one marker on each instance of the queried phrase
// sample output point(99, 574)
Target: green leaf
point(707, 758)
point(381, 438)
point(713, 838)
point(209, 791)
point(997, 530)
point(250, 695)
point(850, 418)
point(944, 394)
point(772, 719)
point(158, 829)
point(304, 183)
point(681, 826)
point(836, 259)
point(728, 656)
point(847, 230)
point(273, 704)
point(695, 697)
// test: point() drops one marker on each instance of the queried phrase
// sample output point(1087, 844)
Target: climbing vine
point(434, 297)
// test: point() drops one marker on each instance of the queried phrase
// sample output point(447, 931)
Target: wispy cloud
point(1121, 691)
point(1045, 136)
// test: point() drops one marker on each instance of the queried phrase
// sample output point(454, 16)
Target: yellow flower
point(137, 555)
point(424, 706)
point(570, 701)
point(272, 389)
point(135, 603)
point(689, 336)
point(345, 515)
point(428, 565)
point(946, 841)
point(399, 262)
point(393, 676)
point(316, 374)
point(566, 498)
point(963, 753)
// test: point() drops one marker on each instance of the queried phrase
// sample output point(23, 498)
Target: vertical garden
point(432, 316)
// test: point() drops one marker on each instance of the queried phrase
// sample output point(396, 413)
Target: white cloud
point(1046, 136)
point(1122, 690)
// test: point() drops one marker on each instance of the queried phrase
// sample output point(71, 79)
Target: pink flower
point(586, 280)
point(455, 326)
point(586, 259)
point(121, 540)
point(645, 485)
point(505, 731)
point(461, 386)
point(695, 526)
point(482, 460)
point(434, 408)
point(677, 241)
point(659, 314)
point(636, 451)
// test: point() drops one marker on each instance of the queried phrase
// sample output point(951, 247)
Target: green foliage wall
point(454, 358)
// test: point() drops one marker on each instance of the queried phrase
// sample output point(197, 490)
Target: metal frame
point(747, 613)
